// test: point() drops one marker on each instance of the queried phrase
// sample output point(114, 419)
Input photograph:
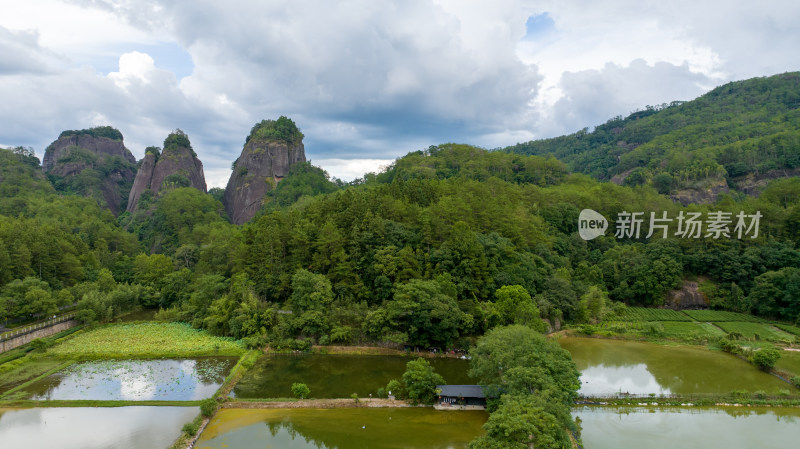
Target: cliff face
point(157, 172)
point(93, 166)
point(101, 146)
point(687, 297)
point(142, 181)
point(262, 164)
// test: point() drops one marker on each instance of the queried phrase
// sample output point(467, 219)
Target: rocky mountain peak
point(272, 147)
point(176, 166)
point(92, 162)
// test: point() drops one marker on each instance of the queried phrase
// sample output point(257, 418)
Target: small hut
point(461, 397)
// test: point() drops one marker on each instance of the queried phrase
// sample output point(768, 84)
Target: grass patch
point(683, 331)
point(647, 314)
point(15, 373)
point(722, 315)
point(23, 350)
point(14, 354)
point(756, 331)
point(794, 330)
point(245, 363)
point(790, 362)
point(146, 340)
point(17, 393)
point(691, 330)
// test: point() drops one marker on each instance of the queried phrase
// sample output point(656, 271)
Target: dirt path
point(321, 403)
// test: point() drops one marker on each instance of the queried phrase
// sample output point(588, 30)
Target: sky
point(368, 81)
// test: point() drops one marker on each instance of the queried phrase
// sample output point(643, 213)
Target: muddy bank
point(321, 403)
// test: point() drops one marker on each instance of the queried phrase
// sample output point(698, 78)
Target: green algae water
point(689, 428)
point(336, 376)
point(346, 428)
point(134, 380)
point(618, 366)
point(93, 428)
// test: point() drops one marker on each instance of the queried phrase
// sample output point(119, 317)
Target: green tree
point(420, 381)
point(512, 352)
point(522, 421)
point(300, 391)
point(421, 312)
point(516, 306)
point(310, 291)
point(766, 358)
point(594, 302)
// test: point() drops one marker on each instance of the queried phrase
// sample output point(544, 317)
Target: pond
point(93, 428)
point(337, 376)
point(614, 366)
point(134, 380)
point(689, 428)
point(346, 428)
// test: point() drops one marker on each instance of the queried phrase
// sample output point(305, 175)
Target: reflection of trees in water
point(335, 375)
point(788, 416)
point(680, 370)
point(740, 412)
point(289, 427)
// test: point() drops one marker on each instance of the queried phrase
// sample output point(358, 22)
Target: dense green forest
point(742, 128)
point(437, 249)
point(444, 245)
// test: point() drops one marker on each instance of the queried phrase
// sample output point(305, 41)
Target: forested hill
point(437, 249)
point(737, 136)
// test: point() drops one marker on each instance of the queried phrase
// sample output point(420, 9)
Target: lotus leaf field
point(146, 340)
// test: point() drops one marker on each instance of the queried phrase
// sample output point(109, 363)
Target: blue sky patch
point(538, 26)
point(167, 56)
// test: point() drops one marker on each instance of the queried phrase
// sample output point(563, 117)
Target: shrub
point(300, 391)
point(394, 387)
point(301, 345)
point(208, 407)
point(282, 129)
point(796, 381)
point(765, 359)
point(354, 396)
point(191, 428)
point(729, 346)
point(41, 344)
point(740, 393)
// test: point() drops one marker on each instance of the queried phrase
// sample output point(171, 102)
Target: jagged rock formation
point(176, 166)
point(687, 297)
point(92, 162)
point(270, 150)
point(702, 195)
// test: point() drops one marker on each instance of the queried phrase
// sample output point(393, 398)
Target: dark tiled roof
point(462, 391)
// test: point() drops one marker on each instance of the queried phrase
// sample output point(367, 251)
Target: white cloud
point(350, 169)
point(590, 97)
point(365, 80)
point(133, 67)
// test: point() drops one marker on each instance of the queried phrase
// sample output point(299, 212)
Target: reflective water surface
point(689, 428)
point(135, 380)
point(614, 366)
point(352, 428)
point(93, 428)
point(337, 376)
